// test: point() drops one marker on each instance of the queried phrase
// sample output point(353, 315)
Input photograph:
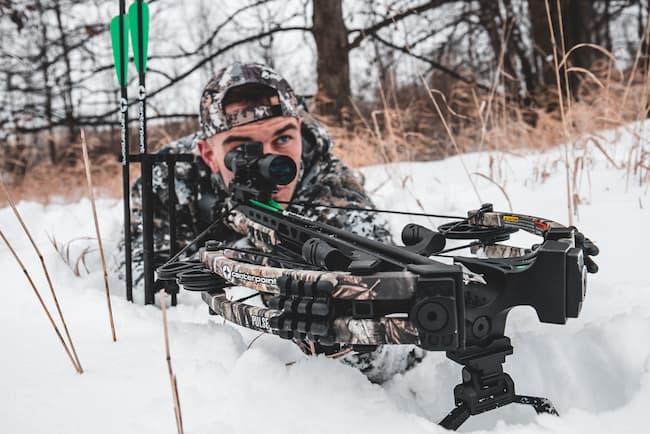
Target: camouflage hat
point(212, 116)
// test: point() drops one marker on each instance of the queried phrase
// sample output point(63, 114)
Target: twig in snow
point(430, 92)
point(253, 341)
point(563, 115)
point(63, 249)
point(339, 353)
point(503, 190)
point(172, 376)
point(40, 300)
point(99, 236)
point(76, 362)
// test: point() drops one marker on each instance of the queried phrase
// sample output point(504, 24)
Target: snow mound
point(596, 369)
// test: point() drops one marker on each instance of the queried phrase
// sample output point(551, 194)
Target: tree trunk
point(333, 65)
point(46, 84)
point(68, 103)
point(541, 39)
point(579, 19)
point(524, 59)
point(577, 24)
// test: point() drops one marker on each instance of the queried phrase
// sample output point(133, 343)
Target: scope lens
point(278, 169)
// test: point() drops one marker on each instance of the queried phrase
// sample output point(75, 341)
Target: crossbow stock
point(338, 290)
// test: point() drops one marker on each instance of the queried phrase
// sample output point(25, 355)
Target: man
point(251, 102)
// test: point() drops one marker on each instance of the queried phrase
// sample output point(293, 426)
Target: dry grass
point(72, 260)
point(405, 125)
point(31, 176)
point(412, 132)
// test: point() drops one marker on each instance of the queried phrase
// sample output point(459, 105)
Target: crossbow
point(338, 290)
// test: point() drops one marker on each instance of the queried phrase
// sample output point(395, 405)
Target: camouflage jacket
point(200, 195)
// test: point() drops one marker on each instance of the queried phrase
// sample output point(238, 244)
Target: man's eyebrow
point(285, 128)
point(236, 139)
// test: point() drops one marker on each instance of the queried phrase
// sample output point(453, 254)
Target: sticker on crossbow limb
point(262, 237)
point(253, 317)
point(257, 277)
point(375, 331)
point(261, 277)
point(534, 225)
point(499, 251)
point(393, 285)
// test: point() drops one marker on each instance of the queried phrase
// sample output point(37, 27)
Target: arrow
point(120, 51)
point(139, 27)
point(120, 40)
point(139, 23)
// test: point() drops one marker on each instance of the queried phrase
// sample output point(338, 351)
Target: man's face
point(278, 135)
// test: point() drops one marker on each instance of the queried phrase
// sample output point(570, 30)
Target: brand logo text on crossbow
point(229, 274)
point(260, 322)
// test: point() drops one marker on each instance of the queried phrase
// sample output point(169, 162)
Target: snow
point(595, 369)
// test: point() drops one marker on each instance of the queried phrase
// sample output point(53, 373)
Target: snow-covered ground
point(596, 369)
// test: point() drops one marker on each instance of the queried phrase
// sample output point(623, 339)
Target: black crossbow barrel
point(337, 289)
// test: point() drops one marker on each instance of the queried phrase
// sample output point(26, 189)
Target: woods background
point(392, 79)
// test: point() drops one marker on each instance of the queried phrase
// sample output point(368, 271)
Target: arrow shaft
point(142, 90)
point(124, 139)
point(147, 163)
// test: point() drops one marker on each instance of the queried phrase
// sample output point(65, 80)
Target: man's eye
point(283, 140)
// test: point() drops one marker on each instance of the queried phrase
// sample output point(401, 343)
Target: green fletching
point(133, 18)
point(271, 206)
point(120, 57)
point(276, 205)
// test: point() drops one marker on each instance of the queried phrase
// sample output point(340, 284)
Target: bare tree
point(333, 63)
point(57, 69)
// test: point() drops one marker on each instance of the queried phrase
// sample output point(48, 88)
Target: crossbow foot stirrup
point(485, 386)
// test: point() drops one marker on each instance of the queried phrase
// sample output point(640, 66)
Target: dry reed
point(41, 302)
point(91, 195)
point(168, 358)
point(403, 124)
point(77, 363)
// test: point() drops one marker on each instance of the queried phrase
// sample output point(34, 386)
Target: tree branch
point(372, 30)
point(206, 59)
point(95, 122)
point(433, 63)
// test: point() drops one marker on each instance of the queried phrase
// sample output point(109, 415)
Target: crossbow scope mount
point(337, 290)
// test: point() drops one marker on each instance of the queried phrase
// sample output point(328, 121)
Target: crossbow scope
point(257, 173)
point(337, 290)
